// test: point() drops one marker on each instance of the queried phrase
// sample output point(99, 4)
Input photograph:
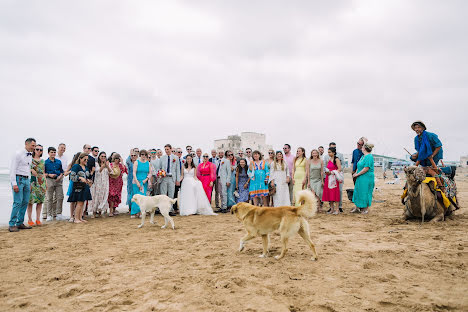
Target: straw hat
point(418, 122)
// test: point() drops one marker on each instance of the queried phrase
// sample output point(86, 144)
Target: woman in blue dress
point(80, 190)
point(242, 181)
point(129, 162)
point(231, 199)
point(259, 173)
point(364, 187)
point(141, 176)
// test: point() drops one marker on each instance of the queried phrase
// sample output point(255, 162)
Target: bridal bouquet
point(161, 173)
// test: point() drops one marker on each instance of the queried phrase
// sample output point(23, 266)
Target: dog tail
point(308, 202)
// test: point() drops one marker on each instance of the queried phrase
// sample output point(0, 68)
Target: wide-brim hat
point(418, 122)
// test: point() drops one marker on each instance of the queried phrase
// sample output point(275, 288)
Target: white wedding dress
point(192, 197)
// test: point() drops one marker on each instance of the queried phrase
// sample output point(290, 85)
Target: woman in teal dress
point(231, 199)
point(141, 175)
point(364, 187)
point(259, 174)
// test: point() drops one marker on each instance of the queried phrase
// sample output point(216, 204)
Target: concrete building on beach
point(254, 140)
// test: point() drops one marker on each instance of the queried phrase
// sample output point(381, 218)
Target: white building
point(256, 141)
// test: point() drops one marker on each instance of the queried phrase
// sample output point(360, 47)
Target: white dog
point(150, 203)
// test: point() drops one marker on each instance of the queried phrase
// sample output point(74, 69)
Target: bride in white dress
point(192, 197)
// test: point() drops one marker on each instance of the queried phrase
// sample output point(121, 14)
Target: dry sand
point(366, 263)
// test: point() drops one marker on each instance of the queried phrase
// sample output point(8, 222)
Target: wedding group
point(96, 180)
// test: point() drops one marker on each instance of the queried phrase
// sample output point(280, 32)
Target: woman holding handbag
point(81, 182)
point(331, 189)
point(117, 169)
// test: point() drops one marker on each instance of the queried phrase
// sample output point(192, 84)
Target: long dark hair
point(34, 152)
point(239, 168)
point(333, 150)
point(186, 162)
point(110, 157)
point(99, 157)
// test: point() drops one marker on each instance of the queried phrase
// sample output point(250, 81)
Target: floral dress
point(243, 192)
point(116, 184)
point(100, 191)
point(38, 184)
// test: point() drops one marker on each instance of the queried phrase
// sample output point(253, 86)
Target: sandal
point(30, 223)
point(39, 223)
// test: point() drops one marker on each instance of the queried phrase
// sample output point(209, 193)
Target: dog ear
point(233, 209)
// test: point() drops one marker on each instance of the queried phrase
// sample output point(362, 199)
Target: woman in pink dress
point(206, 173)
point(115, 183)
point(331, 193)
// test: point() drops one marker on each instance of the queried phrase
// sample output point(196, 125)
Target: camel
point(425, 206)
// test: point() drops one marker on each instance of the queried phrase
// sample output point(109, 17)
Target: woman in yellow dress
point(299, 173)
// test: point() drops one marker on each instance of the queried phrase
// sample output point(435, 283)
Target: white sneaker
point(49, 218)
point(59, 217)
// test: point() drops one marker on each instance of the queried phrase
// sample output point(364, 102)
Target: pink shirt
point(290, 161)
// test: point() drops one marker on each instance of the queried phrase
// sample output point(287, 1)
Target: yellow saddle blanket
point(445, 199)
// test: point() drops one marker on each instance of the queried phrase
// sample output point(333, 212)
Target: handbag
point(115, 172)
point(339, 176)
point(271, 189)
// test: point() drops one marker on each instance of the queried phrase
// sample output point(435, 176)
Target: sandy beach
point(366, 263)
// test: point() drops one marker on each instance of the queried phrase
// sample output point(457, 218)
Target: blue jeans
point(20, 201)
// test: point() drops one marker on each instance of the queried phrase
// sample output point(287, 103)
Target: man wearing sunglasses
point(248, 152)
point(20, 175)
point(54, 177)
point(188, 148)
point(134, 153)
point(357, 154)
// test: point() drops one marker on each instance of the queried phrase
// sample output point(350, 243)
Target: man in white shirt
point(20, 174)
point(326, 158)
point(248, 157)
point(198, 159)
point(218, 186)
point(58, 208)
point(321, 151)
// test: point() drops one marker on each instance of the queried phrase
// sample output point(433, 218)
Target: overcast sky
point(119, 74)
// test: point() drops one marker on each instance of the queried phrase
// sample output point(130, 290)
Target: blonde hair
point(368, 146)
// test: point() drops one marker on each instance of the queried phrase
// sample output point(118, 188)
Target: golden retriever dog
point(288, 220)
point(150, 203)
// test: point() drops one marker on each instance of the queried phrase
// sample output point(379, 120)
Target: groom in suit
point(170, 164)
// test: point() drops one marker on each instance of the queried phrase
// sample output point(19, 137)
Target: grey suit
point(167, 186)
point(224, 174)
point(326, 158)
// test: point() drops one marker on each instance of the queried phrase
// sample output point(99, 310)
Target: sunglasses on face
point(205, 156)
point(133, 155)
point(179, 152)
point(285, 148)
point(39, 149)
point(248, 152)
point(271, 153)
point(230, 154)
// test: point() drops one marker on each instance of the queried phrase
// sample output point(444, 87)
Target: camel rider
point(429, 151)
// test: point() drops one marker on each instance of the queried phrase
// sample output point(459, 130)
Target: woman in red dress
point(331, 193)
point(206, 173)
point(115, 183)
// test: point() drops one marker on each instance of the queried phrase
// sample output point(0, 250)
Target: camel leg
point(437, 218)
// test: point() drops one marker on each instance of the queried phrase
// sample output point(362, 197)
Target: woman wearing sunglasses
point(206, 173)
point(38, 185)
